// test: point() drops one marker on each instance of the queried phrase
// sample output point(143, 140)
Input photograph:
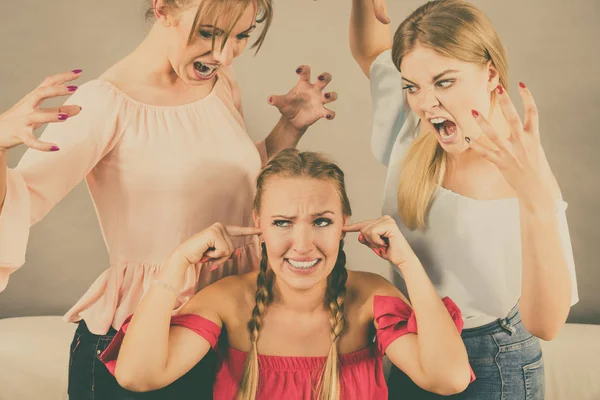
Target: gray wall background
point(552, 45)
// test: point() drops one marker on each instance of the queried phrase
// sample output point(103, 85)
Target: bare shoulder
point(224, 296)
point(362, 287)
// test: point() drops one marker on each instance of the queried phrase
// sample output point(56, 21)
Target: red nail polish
point(299, 70)
point(270, 100)
point(522, 85)
point(62, 117)
point(72, 88)
point(54, 148)
point(77, 71)
point(500, 89)
point(475, 113)
point(321, 78)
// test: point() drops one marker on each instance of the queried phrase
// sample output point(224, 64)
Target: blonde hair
point(291, 163)
point(456, 29)
point(217, 8)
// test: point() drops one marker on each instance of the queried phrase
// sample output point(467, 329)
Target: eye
point(411, 89)
point(243, 36)
point(446, 83)
point(282, 223)
point(323, 222)
point(206, 34)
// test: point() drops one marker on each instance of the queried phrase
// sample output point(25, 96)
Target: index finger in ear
point(531, 112)
point(356, 227)
point(242, 230)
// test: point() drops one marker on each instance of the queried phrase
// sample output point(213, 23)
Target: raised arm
point(435, 357)
point(154, 353)
point(369, 37)
point(80, 137)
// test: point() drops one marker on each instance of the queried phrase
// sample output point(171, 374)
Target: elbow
point(133, 382)
point(545, 330)
point(453, 383)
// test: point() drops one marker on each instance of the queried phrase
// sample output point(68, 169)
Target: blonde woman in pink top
point(161, 141)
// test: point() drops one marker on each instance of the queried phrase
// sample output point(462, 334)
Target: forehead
point(288, 196)
point(424, 63)
point(215, 11)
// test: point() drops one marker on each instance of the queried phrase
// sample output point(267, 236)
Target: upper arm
point(403, 351)
point(392, 121)
point(186, 347)
point(83, 141)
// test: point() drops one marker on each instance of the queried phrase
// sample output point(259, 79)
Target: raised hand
point(18, 123)
point(305, 103)
point(384, 238)
point(520, 158)
point(212, 244)
point(381, 11)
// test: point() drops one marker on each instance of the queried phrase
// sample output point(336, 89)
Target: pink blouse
point(360, 373)
point(156, 174)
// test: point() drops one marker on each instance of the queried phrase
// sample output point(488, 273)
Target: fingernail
point(72, 88)
point(328, 116)
point(321, 78)
point(62, 117)
point(475, 113)
point(467, 139)
point(271, 100)
point(500, 89)
point(522, 85)
point(327, 95)
point(299, 70)
point(77, 71)
point(54, 148)
point(80, 108)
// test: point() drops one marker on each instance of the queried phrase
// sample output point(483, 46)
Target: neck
point(303, 301)
point(149, 62)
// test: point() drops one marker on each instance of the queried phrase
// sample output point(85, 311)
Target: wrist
point(290, 129)
point(409, 264)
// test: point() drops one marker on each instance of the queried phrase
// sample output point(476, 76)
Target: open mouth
point(205, 71)
point(446, 129)
point(302, 266)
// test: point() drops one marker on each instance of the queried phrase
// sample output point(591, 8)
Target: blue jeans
point(506, 358)
point(90, 380)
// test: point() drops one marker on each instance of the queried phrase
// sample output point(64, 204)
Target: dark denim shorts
point(90, 380)
point(506, 358)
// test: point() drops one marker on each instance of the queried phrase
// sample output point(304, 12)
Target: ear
point(164, 15)
point(256, 219)
point(493, 76)
point(345, 222)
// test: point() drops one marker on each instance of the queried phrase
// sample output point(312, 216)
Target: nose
point(224, 56)
point(303, 239)
point(428, 100)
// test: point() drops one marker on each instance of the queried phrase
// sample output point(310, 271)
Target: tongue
point(448, 128)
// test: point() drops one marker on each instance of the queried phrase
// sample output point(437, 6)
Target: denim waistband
point(507, 324)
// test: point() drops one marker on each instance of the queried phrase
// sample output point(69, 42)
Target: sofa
point(34, 357)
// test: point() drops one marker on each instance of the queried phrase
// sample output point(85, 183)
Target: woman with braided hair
point(303, 326)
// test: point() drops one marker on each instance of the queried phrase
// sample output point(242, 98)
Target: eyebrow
point(220, 31)
point(320, 214)
point(435, 78)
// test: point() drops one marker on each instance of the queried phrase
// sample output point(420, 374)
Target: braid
point(264, 282)
point(329, 386)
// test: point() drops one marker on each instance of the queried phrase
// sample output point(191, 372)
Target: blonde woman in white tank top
point(470, 188)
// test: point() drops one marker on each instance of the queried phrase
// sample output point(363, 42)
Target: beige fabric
point(35, 358)
point(36, 351)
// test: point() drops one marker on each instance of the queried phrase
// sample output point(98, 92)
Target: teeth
point(204, 69)
point(437, 120)
point(303, 264)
